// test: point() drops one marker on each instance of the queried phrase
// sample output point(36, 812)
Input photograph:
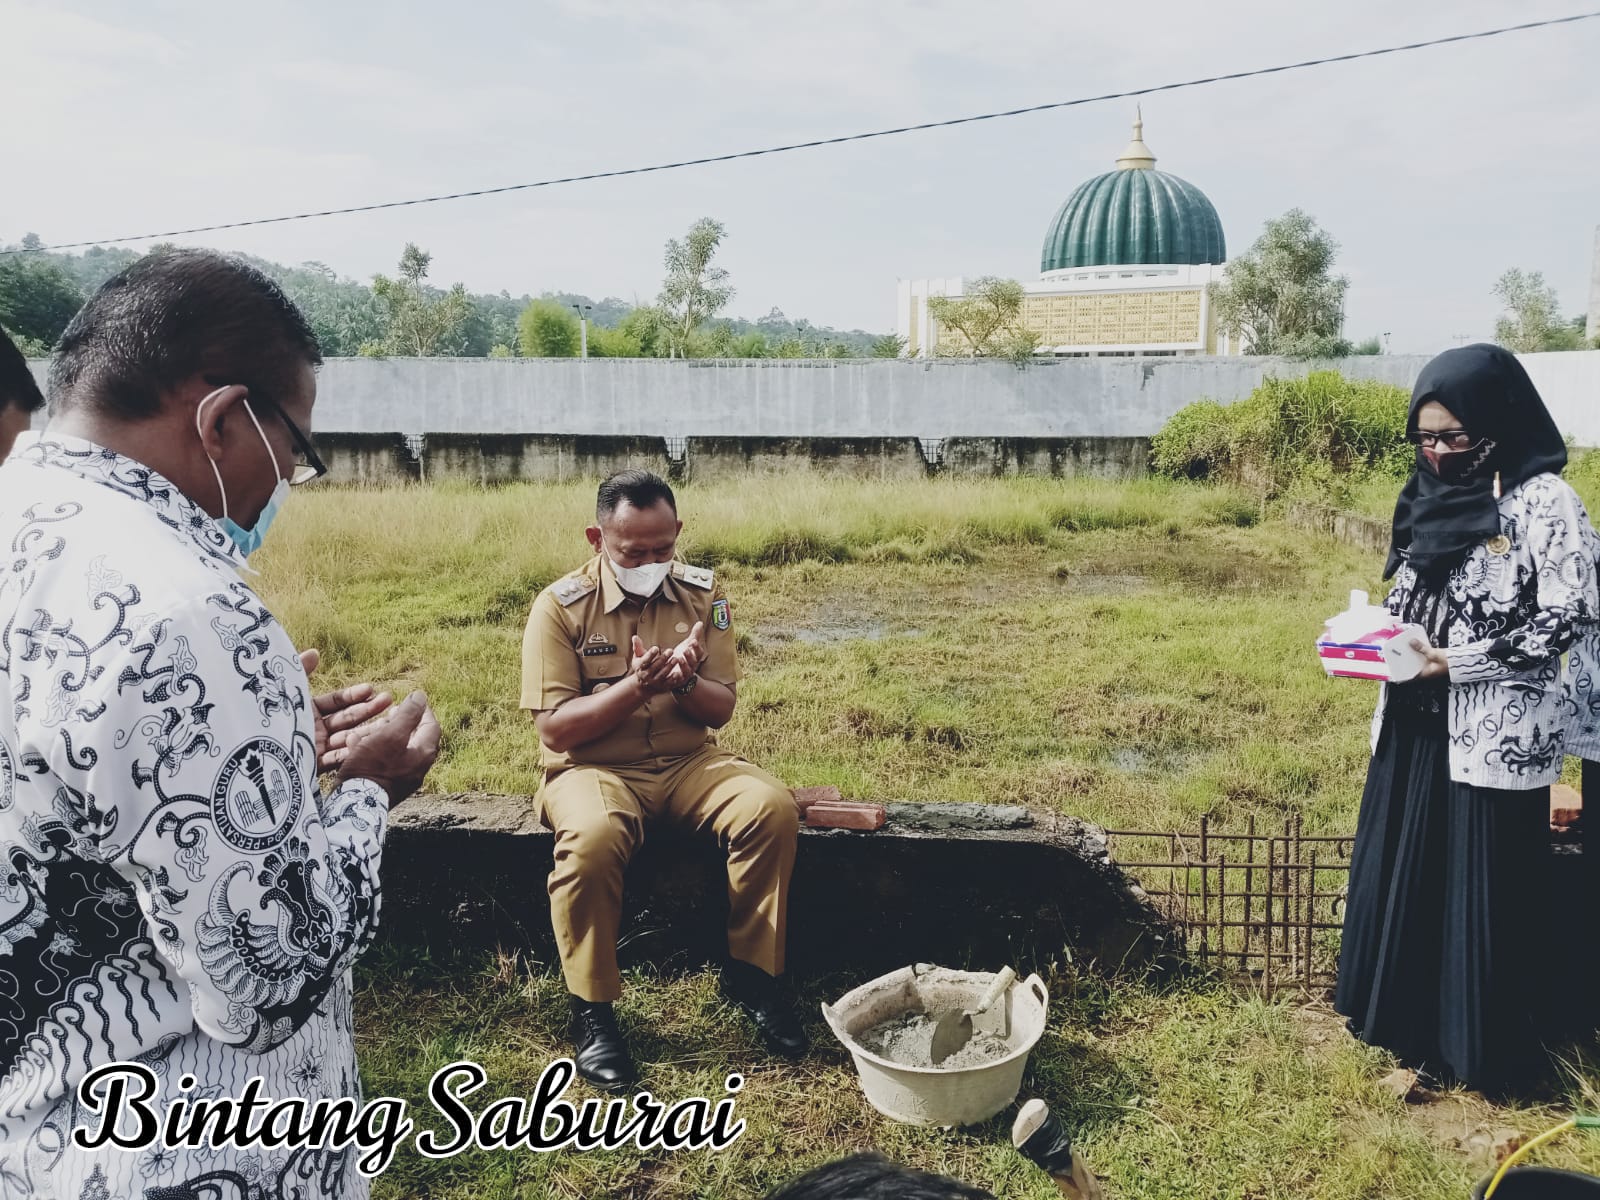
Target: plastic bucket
point(1540, 1183)
point(940, 1095)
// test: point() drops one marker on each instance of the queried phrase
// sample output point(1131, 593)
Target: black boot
point(766, 1002)
point(602, 1056)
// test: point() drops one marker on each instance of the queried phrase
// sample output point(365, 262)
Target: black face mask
point(1450, 503)
point(1455, 465)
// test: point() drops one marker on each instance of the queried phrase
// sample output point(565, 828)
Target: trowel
point(954, 1029)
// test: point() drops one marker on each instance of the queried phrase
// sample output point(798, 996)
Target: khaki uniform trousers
point(599, 813)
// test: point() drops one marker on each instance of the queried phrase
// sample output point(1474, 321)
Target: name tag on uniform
point(591, 651)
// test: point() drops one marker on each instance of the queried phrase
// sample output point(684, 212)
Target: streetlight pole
point(583, 327)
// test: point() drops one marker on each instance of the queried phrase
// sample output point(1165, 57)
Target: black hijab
point(1438, 520)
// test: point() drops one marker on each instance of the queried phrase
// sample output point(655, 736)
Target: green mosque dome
point(1132, 216)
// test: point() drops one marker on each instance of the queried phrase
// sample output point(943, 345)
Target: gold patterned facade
point(1146, 317)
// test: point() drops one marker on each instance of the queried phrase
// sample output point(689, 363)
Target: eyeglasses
point(1444, 439)
point(307, 465)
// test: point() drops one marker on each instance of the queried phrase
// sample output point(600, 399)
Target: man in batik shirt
point(177, 890)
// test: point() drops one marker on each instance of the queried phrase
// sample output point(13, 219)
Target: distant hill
point(39, 292)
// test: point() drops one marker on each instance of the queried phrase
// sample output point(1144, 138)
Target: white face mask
point(641, 581)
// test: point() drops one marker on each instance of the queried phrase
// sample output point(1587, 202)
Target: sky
point(1435, 171)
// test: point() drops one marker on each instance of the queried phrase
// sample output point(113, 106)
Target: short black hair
point(17, 384)
point(874, 1177)
point(642, 489)
point(170, 316)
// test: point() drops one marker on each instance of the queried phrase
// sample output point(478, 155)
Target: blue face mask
point(248, 540)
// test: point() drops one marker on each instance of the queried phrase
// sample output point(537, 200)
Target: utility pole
point(583, 327)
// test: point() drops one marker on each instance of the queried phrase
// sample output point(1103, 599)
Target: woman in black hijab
point(1440, 959)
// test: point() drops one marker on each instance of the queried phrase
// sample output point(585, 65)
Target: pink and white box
point(1369, 642)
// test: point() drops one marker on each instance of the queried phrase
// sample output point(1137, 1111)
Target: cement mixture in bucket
point(908, 1040)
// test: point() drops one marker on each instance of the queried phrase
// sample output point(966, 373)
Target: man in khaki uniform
point(628, 666)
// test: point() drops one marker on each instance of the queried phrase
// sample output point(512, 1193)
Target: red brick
point(846, 814)
point(805, 797)
point(1566, 806)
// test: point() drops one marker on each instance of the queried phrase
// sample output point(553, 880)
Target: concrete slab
point(961, 885)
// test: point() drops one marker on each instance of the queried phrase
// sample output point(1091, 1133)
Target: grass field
point(1136, 655)
point(1375, 497)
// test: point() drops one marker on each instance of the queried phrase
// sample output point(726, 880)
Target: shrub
point(1321, 431)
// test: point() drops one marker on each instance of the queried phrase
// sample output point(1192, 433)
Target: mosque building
point(1125, 271)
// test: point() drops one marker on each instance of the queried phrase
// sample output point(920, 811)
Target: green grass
point(1190, 1090)
point(1081, 645)
point(1136, 655)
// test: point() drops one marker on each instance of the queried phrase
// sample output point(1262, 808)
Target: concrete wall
point(783, 398)
point(779, 398)
point(956, 884)
point(535, 458)
point(1591, 328)
point(853, 458)
point(1367, 533)
point(1099, 458)
point(495, 458)
point(891, 398)
point(367, 458)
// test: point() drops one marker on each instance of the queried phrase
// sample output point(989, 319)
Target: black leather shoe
point(766, 1002)
point(602, 1056)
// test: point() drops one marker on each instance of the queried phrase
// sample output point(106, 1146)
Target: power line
point(833, 141)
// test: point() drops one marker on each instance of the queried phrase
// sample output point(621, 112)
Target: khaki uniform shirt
point(579, 641)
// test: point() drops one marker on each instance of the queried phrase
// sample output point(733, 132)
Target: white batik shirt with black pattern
point(1511, 609)
point(176, 890)
point(1582, 690)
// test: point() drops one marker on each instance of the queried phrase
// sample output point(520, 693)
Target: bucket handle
point(1036, 985)
point(832, 1018)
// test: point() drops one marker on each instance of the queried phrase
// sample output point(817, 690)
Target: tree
point(493, 323)
point(1017, 346)
point(646, 327)
point(344, 314)
point(890, 345)
point(716, 341)
point(1372, 345)
point(1279, 295)
point(546, 330)
point(989, 318)
point(614, 343)
point(693, 291)
point(775, 324)
point(753, 344)
point(603, 312)
point(1532, 321)
point(1321, 345)
point(421, 321)
point(37, 299)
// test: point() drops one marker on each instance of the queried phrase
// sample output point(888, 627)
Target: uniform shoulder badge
point(719, 614)
point(573, 588)
point(700, 577)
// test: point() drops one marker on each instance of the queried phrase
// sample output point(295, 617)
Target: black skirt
point(1440, 960)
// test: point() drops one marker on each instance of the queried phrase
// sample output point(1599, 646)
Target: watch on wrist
point(689, 686)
